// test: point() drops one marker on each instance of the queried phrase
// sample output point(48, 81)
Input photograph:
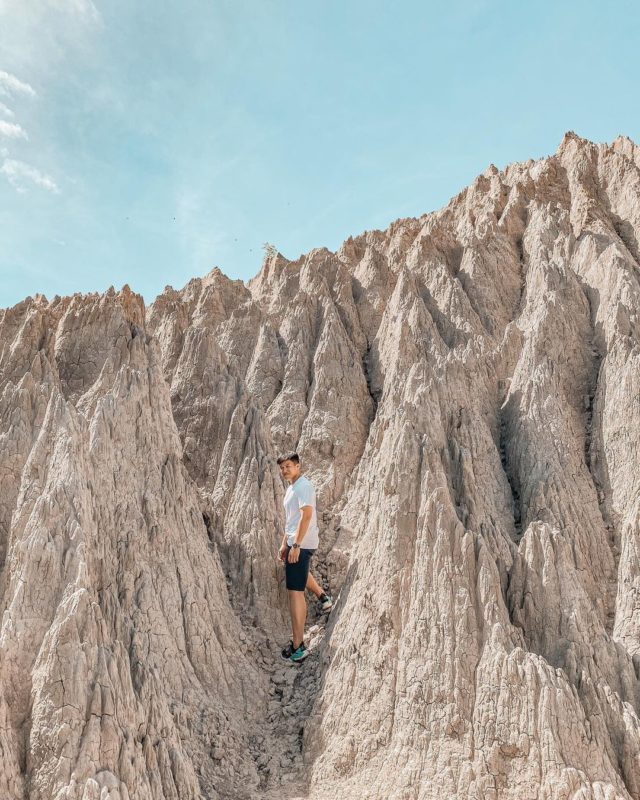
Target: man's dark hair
point(291, 457)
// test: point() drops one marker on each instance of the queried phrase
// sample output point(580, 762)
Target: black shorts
point(298, 573)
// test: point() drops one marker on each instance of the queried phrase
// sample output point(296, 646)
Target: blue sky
point(147, 142)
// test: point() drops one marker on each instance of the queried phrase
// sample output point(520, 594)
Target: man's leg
point(298, 609)
point(314, 586)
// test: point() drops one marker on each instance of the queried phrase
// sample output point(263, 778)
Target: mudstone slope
point(463, 389)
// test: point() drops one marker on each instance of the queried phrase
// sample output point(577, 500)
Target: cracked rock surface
point(463, 389)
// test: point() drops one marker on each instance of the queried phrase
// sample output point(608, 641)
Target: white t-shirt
point(298, 494)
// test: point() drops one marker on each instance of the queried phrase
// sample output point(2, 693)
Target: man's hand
point(294, 555)
point(282, 552)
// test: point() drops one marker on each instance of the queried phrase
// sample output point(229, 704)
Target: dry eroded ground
point(463, 389)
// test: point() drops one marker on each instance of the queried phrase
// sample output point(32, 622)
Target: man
point(299, 543)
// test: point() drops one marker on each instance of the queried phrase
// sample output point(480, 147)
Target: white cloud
point(82, 9)
point(12, 130)
point(39, 39)
point(20, 174)
point(10, 85)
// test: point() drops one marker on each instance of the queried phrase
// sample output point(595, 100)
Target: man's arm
point(305, 519)
point(283, 547)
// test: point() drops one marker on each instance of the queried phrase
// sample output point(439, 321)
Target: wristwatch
point(295, 544)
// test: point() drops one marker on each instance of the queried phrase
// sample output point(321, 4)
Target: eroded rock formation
point(463, 389)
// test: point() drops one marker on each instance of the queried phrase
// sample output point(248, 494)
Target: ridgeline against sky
point(462, 389)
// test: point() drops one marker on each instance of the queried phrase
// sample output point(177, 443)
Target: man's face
point(289, 470)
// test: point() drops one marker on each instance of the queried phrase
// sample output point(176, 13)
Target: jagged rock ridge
point(463, 389)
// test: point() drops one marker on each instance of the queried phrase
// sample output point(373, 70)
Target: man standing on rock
point(299, 543)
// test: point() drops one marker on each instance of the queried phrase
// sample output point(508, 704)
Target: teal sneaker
point(286, 652)
point(300, 654)
point(325, 601)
